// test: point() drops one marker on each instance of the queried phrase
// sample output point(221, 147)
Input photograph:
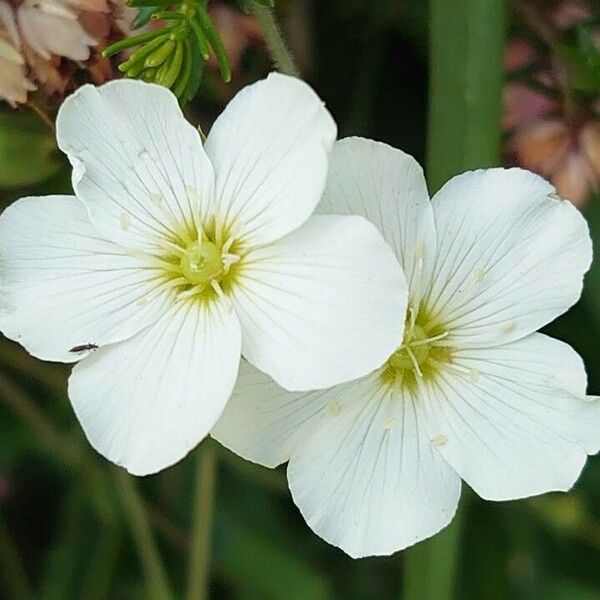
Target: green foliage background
point(65, 525)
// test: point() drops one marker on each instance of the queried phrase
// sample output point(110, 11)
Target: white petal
point(138, 164)
point(66, 285)
point(262, 422)
point(323, 305)
point(387, 186)
point(269, 149)
point(515, 420)
point(369, 479)
point(511, 256)
point(145, 403)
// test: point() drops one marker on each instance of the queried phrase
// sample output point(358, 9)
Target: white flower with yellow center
point(174, 258)
point(471, 393)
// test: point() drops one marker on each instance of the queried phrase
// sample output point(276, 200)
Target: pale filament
point(428, 340)
point(414, 361)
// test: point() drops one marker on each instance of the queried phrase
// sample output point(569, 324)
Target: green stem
point(466, 78)
point(199, 560)
point(16, 583)
point(430, 567)
point(133, 508)
point(280, 54)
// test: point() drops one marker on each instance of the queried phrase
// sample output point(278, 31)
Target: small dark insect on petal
point(83, 347)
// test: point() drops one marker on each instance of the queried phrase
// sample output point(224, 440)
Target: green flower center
point(202, 263)
point(199, 264)
point(420, 355)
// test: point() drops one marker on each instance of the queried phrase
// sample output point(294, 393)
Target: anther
point(439, 440)
point(479, 274)
point(508, 327)
point(389, 423)
point(157, 199)
point(334, 408)
point(420, 250)
point(125, 221)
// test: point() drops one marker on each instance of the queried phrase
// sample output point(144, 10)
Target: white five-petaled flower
point(472, 392)
point(174, 258)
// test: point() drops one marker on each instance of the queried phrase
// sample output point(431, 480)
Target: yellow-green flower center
point(202, 262)
point(198, 263)
point(420, 355)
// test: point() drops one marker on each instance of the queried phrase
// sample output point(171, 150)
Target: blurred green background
point(425, 77)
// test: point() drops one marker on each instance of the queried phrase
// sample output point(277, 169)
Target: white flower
point(472, 393)
point(174, 258)
point(14, 83)
point(52, 27)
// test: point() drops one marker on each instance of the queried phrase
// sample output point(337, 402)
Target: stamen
point(158, 263)
point(228, 261)
point(167, 244)
point(214, 284)
point(429, 340)
point(413, 318)
point(178, 281)
point(197, 289)
point(227, 245)
point(414, 361)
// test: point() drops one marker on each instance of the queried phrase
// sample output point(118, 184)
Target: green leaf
point(212, 35)
point(149, 3)
point(143, 16)
point(195, 73)
point(135, 41)
point(263, 569)
point(28, 153)
point(245, 5)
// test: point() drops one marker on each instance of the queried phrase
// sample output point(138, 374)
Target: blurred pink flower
point(547, 133)
point(570, 12)
point(45, 41)
point(569, 158)
point(522, 105)
point(52, 27)
point(14, 84)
